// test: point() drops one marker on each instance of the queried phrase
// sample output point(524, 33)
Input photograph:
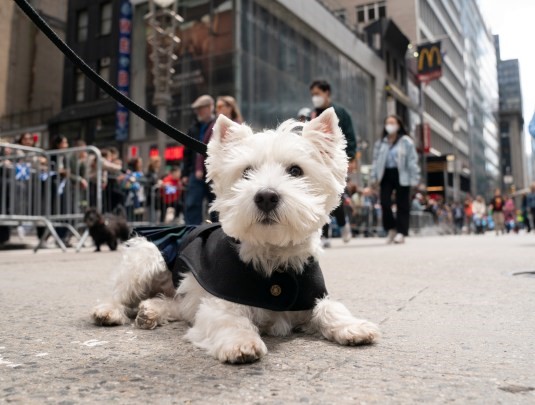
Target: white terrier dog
point(274, 192)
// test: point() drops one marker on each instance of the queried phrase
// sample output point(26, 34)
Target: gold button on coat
point(276, 290)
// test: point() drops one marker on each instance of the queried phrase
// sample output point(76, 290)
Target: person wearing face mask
point(320, 90)
point(197, 189)
point(395, 167)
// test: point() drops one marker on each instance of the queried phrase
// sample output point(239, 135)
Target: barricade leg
point(82, 241)
point(50, 231)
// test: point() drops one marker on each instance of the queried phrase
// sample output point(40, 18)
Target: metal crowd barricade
point(49, 189)
point(420, 220)
point(141, 200)
point(166, 203)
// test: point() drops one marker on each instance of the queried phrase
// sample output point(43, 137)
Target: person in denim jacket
point(395, 167)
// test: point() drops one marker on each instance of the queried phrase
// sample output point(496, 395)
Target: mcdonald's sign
point(429, 62)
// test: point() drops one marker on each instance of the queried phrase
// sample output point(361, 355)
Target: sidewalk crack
point(405, 305)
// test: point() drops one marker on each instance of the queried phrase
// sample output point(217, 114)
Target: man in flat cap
point(197, 189)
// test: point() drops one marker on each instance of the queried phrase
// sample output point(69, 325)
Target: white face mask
point(391, 128)
point(318, 101)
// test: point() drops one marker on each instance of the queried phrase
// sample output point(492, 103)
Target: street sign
point(123, 69)
point(429, 62)
point(426, 138)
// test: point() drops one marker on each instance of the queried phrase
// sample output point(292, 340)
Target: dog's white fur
point(239, 165)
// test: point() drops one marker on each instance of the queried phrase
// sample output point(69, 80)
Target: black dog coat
point(212, 257)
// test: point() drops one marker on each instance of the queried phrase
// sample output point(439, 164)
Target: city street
point(457, 327)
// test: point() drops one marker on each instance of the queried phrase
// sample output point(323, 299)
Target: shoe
point(325, 243)
point(391, 235)
point(346, 233)
point(399, 238)
point(21, 232)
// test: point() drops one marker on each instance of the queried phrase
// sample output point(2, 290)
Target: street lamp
point(163, 19)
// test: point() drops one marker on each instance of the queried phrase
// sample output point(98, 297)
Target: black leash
point(108, 88)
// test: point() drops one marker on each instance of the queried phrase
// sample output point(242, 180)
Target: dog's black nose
point(266, 200)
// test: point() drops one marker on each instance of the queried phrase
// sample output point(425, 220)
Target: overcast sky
point(514, 22)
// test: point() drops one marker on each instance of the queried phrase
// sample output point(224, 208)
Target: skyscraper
point(459, 106)
point(513, 163)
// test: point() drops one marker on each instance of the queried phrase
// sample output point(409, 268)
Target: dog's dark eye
point(247, 172)
point(295, 171)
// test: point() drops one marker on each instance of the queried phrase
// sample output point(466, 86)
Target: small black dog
point(106, 228)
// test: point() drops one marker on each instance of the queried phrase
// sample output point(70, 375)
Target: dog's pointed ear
point(324, 132)
point(225, 130)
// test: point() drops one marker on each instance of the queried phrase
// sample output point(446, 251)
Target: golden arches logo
point(429, 54)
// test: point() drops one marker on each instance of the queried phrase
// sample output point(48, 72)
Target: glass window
point(82, 23)
point(79, 87)
point(382, 10)
point(361, 17)
point(273, 90)
point(106, 12)
point(371, 13)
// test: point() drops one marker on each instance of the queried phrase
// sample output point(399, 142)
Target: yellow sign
point(429, 61)
point(429, 54)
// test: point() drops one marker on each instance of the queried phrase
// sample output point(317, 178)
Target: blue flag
point(22, 171)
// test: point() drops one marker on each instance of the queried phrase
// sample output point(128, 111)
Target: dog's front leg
point(158, 311)
point(334, 321)
point(226, 331)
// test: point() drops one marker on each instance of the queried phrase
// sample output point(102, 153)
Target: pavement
point(457, 326)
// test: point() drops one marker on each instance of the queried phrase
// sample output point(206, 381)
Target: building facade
point(87, 112)
point(264, 53)
point(513, 163)
point(460, 106)
point(31, 70)
point(482, 100)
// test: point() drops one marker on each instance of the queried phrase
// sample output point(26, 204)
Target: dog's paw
point(357, 333)
point(109, 315)
point(242, 352)
point(147, 318)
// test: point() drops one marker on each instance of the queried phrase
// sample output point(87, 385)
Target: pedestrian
point(227, 106)
point(303, 115)
point(416, 204)
point(132, 184)
point(197, 189)
point(468, 214)
point(26, 139)
point(530, 204)
point(525, 212)
point(320, 91)
point(479, 211)
point(395, 168)
point(57, 179)
point(171, 193)
point(458, 217)
point(497, 204)
point(509, 214)
point(152, 184)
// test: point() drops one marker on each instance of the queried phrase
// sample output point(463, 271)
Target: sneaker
point(391, 235)
point(21, 232)
point(346, 233)
point(325, 243)
point(399, 238)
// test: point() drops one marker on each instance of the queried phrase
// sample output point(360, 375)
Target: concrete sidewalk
point(457, 327)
